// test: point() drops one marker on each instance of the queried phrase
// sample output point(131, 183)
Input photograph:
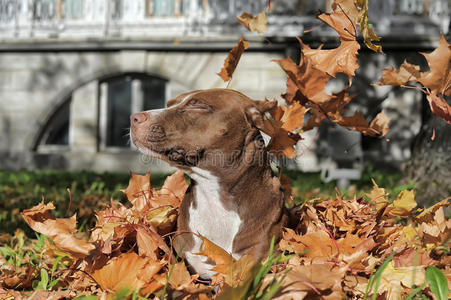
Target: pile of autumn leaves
point(307, 103)
point(332, 253)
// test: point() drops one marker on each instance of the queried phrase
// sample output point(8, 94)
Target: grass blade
point(415, 291)
point(378, 275)
point(437, 282)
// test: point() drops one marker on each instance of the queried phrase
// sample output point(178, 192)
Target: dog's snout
point(139, 118)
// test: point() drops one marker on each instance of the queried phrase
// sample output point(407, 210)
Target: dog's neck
point(234, 181)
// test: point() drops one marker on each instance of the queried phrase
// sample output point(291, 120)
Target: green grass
point(308, 186)
point(92, 191)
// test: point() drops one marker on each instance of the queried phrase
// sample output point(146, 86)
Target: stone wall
point(34, 85)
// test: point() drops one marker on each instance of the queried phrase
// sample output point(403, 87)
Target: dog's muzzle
point(156, 133)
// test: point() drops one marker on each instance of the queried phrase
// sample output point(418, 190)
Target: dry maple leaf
point(428, 214)
point(61, 231)
point(393, 280)
point(172, 192)
point(139, 190)
point(149, 243)
point(127, 271)
point(311, 279)
point(339, 60)
point(257, 23)
point(407, 72)
point(365, 28)
point(403, 204)
point(378, 127)
point(282, 141)
point(309, 81)
point(293, 116)
point(440, 107)
point(232, 59)
point(233, 272)
point(438, 78)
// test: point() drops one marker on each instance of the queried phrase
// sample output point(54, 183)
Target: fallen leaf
point(173, 190)
point(232, 60)
point(179, 276)
point(403, 204)
point(393, 280)
point(61, 231)
point(124, 271)
point(257, 23)
point(139, 190)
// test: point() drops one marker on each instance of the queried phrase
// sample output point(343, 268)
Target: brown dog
point(234, 199)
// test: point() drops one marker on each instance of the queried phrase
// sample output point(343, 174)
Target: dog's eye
point(196, 105)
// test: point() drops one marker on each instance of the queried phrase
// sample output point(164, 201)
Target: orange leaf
point(252, 23)
point(149, 241)
point(407, 72)
point(380, 124)
point(293, 117)
point(61, 231)
point(378, 127)
point(179, 276)
point(438, 78)
point(440, 107)
point(126, 271)
point(309, 81)
point(232, 59)
point(173, 190)
point(139, 190)
point(232, 271)
point(339, 60)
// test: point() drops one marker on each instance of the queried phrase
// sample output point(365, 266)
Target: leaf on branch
point(232, 59)
point(440, 107)
point(378, 127)
point(308, 80)
point(369, 36)
point(438, 78)
point(257, 23)
point(339, 60)
point(407, 72)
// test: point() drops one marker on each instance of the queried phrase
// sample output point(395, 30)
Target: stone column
point(83, 118)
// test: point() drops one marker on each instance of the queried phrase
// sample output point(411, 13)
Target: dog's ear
point(255, 113)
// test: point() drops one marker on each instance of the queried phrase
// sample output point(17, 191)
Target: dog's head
point(201, 128)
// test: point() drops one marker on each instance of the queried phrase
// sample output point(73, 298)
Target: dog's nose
point(138, 118)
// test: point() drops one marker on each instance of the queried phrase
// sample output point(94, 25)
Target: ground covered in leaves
point(341, 248)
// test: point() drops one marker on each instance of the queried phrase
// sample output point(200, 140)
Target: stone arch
point(64, 95)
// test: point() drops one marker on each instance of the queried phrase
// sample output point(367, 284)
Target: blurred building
point(72, 71)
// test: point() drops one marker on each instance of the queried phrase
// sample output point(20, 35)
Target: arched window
point(56, 131)
point(122, 96)
point(96, 116)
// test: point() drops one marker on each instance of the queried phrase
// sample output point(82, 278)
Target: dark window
point(154, 93)
point(57, 130)
point(119, 110)
point(124, 98)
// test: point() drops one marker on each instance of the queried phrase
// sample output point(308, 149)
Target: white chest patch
point(209, 218)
